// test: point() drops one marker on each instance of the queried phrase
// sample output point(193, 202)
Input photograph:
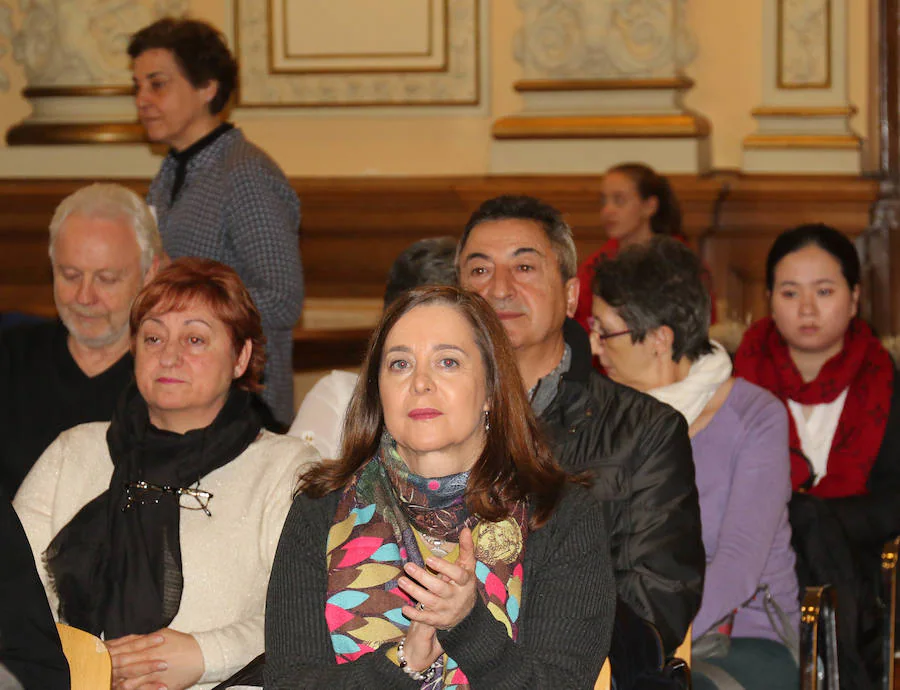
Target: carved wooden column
point(880, 245)
point(603, 83)
point(803, 124)
point(79, 81)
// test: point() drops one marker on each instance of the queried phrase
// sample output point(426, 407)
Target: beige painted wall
point(727, 72)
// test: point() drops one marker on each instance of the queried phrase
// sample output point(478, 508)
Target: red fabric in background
point(863, 365)
point(586, 276)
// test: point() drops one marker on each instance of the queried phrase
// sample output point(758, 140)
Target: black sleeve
point(29, 644)
point(567, 610)
point(299, 653)
point(872, 519)
point(665, 557)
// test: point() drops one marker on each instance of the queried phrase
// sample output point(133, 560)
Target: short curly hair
point(199, 50)
point(192, 280)
point(660, 283)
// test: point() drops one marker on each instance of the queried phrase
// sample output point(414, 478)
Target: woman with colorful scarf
point(650, 330)
point(838, 383)
point(444, 549)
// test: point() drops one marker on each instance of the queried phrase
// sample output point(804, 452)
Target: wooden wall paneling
point(353, 228)
point(756, 208)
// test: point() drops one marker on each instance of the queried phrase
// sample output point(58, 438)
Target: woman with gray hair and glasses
point(649, 327)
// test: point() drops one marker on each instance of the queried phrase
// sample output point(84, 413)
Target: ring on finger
point(420, 606)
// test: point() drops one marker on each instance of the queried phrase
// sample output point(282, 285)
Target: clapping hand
point(447, 597)
point(444, 600)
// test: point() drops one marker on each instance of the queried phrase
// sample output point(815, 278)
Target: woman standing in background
point(636, 204)
point(217, 195)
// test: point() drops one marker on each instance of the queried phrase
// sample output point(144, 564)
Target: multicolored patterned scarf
point(375, 534)
point(863, 366)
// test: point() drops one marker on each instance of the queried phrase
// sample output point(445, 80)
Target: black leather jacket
point(639, 453)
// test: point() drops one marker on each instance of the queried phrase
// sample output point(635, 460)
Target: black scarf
point(183, 157)
point(116, 571)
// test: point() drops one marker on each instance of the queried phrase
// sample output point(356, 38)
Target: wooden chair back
point(90, 666)
point(818, 640)
point(889, 558)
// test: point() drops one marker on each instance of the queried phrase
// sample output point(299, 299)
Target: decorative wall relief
point(804, 44)
point(73, 53)
point(604, 39)
point(64, 43)
point(407, 53)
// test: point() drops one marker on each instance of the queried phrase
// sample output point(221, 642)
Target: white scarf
point(691, 395)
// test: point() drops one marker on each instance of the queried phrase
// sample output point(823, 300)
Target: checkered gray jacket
point(236, 206)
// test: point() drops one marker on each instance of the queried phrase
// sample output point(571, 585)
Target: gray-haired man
point(104, 247)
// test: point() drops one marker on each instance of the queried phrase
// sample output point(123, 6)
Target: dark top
point(568, 602)
point(29, 644)
point(873, 518)
point(44, 392)
point(639, 452)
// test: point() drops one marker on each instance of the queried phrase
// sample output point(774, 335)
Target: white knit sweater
point(226, 558)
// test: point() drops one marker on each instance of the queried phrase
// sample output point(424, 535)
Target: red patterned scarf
point(863, 366)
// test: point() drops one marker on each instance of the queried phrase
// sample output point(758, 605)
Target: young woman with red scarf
point(637, 203)
point(837, 380)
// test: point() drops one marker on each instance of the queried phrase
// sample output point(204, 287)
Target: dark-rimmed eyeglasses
point(143, 493)
point(594, 325)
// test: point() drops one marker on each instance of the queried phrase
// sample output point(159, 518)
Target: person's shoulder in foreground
point(29, 644)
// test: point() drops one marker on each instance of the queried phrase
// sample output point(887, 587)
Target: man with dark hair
point(518, 253)
point(426, 262)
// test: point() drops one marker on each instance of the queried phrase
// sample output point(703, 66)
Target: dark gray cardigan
point(568, 603)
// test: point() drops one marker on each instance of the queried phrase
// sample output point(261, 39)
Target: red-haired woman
point(637, 203)
point(157, 530)
point(445, 548)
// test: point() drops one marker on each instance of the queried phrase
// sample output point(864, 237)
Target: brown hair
point(649, 183)
point(199, 50)
point(191, 280)
point(515, 464)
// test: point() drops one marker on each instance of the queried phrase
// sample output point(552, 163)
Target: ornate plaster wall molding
point(62, 43)
point(450, 77)
point(803, 123)
point(77, 70)
point(804, 44)
point(604, 39)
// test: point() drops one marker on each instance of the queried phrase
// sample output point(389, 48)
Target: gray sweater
point(236, 206)
point(568, 604)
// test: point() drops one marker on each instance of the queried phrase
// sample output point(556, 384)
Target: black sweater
point(43, 392)
point(568, 604)
point(29, 644)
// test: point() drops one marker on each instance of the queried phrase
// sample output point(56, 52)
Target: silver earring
point(487, 421)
